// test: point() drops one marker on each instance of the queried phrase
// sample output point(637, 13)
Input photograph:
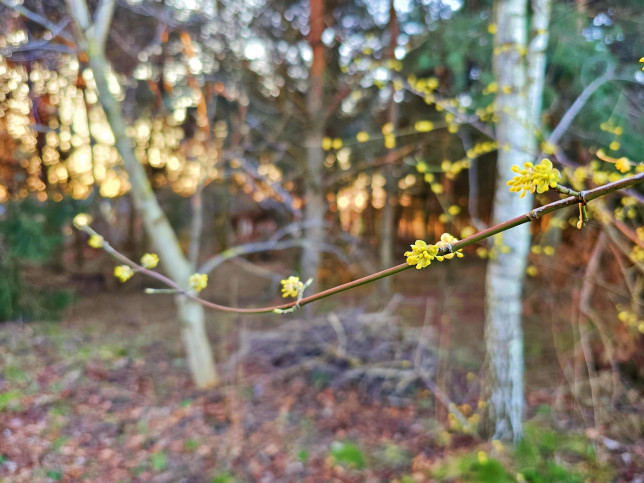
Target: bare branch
point(102, 21)
point(39, 19)
point(258, 247)
point(78, 9)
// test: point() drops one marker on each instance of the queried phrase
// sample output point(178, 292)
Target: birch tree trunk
point(157, 226)
point(315, 203)
point(519, 110)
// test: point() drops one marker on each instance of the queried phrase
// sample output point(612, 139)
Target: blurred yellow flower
point(123, 272)
point(198, 281)
point(150, 260)
point(622, 165)
point(95, 241)
point(424, 126)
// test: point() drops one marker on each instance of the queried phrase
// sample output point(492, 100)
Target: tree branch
point(535, 214)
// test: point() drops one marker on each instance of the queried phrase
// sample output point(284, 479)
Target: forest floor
point(105, 396)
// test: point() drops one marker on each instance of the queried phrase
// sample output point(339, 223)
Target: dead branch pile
point(373, 350)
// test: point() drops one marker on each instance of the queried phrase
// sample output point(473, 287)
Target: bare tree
point(93, 33)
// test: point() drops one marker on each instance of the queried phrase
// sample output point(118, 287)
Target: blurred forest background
point(252, 140)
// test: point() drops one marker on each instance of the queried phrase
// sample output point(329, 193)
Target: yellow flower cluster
point(150, 260)
point(95, 241)
point(291, 286)
point(198, 281)
point(123, 272)
point(623, 165)
point(473, 419)
point(533, 178)
point(630, 319)
point(421, 254)
point(328, 143)
point(447, 241)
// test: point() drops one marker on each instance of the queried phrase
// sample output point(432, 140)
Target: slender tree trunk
point(315, 203)
point(388, 211)
point(195, 340)
point(519, 111)
point(156, 223)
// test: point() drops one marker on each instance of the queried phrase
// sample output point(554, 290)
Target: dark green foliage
point(30, 233)
point(535, 455)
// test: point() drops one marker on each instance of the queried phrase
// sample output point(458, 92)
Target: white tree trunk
point(195, 340)
point(156, 224)
point(519, 111)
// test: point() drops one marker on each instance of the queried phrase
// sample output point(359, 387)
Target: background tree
point(519, 67)
point(94, 32)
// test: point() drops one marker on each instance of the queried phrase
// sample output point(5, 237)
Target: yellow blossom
point(123, 272)
point(491, 28)
point(390, 141)
point(95, 241)
point(614, 146)
point(198, 281)
point(424, 126)
point(81, 220)
point(388, 128)
point(362, 137)
point(421, 254)
point(291, 286)
point(622, 165)
point(533, 178)
point(337, 143)
point(327, 143)
point(150, 260)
